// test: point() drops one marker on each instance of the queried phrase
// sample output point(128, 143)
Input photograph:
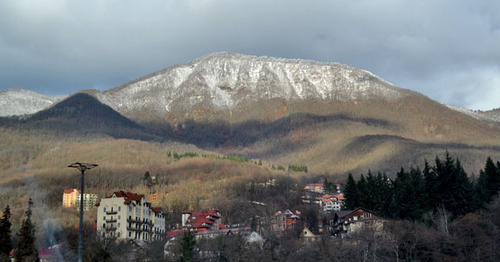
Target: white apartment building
point(125, 215)
point(89, 201)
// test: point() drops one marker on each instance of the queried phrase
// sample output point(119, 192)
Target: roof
point(341, 214)
point(201, 219)
point(127, 196)
point(156, 210)
point(71, 190)
point(173, 233)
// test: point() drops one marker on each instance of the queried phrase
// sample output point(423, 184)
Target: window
point(119, 208)
point(118, 217)
point(129, 234)
point(118, 234)
point(118, 224)
point(104, 218)
point(104, 209)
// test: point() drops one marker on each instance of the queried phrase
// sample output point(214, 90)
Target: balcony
point(133, 229)
point(111, 212)
point(113, 220)
point(110, 228)
point(134, 220)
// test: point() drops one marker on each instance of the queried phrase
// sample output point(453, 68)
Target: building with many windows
point(199, 221)
point(125, 215)
point(284, 220)
point(331, 203)
point(70, 196)
point(89, 201)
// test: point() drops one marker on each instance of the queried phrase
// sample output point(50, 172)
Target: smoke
point(50, 233)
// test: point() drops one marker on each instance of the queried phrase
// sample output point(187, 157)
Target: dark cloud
point(445, 49)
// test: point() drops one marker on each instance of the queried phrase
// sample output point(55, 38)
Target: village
point(130, 217)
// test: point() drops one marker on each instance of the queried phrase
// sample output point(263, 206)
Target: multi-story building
point(89, 201)
point(199, 221)
point(284, 220)
point(158, 223)
point(330, 203)
point(125, 215)
point(70, 196)
point(343, 223)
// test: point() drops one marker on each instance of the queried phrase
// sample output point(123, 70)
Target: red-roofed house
point(125, 215)
point(284, 220)
point(204, 220)
point(331, 203)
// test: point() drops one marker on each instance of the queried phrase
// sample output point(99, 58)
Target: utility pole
point(82, 167)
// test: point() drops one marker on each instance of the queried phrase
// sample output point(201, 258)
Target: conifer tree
point(488, 183)
point(25, 249)
point(409, 190)
point(465, 200)
point(187, 246)
point(351, 194)
point(431, 188)
point(5, 234)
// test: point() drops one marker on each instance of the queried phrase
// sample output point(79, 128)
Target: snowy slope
point(490, 116)
point(221, 81)
point(22, 101)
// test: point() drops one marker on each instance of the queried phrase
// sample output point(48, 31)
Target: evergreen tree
point(329, 186)
point(362, 191)
point(455, 192)
point(253, 224)
point(384, 198)
point(465, 200)
point(370, 192)
point(350, 194)
point(187, 246)
point(444, 174)
point(25, 249)
point(488, 183)
point(5, 236)
point(431, 187)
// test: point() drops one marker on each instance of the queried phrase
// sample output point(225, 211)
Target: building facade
point(198, 221)
point(89, 201)
point(125, 215)
point(331, 203)
point(343, 223)
point(70, 196)
point(284, 220)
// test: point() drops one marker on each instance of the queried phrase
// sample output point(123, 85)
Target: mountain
point(82, 114)
point(22, 102)
point(227, 83)
point(490, 115)
point(331, 117)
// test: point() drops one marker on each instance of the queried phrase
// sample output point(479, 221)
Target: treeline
point(291, 168)
point(415, 193)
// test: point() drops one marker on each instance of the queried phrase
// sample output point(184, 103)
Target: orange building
point(284, 220)
point(70, 196)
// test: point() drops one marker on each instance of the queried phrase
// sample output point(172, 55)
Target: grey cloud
point(59, 47)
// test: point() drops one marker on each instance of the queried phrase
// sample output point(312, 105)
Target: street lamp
point(82, 167)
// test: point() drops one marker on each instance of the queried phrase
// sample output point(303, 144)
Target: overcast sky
point(447, 50)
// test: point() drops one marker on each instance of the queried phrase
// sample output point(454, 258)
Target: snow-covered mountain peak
point(22, 102)
point(221, 81)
